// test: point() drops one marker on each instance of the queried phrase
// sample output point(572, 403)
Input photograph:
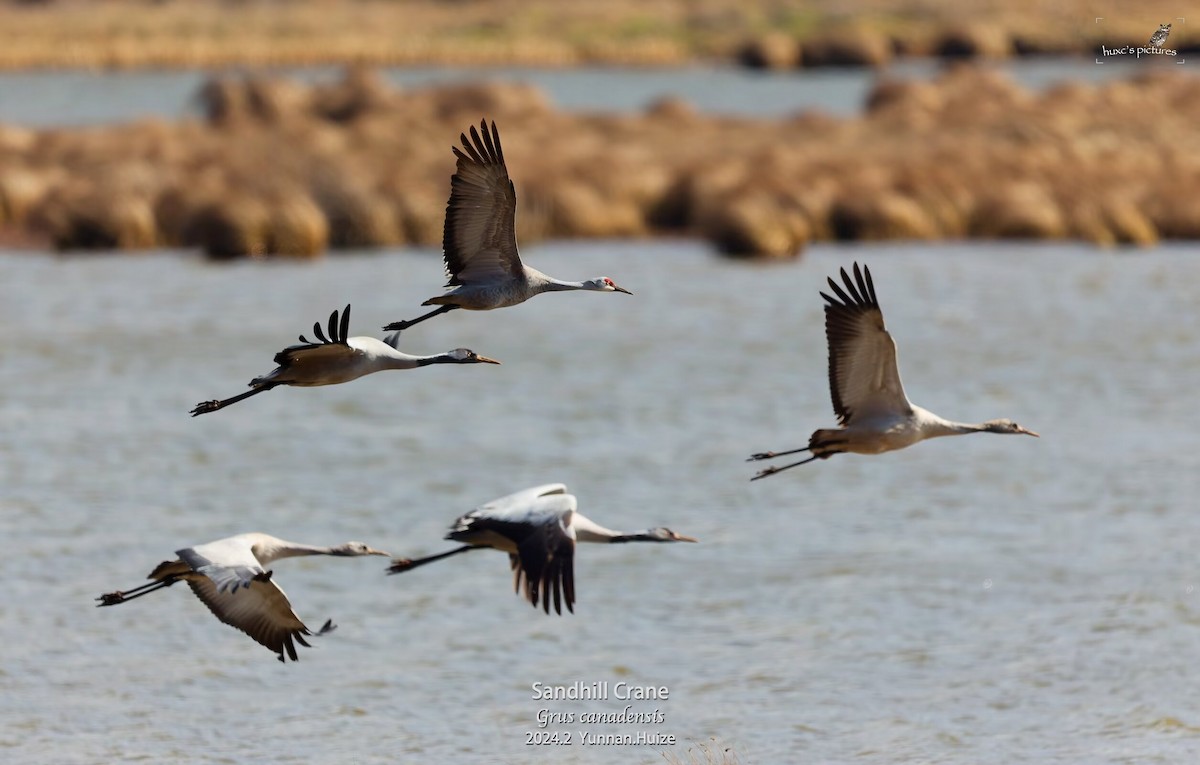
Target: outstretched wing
point(864, 379)
point(545, 561)
point(523, 498)
point(327, 352)
point(335, 342)
point(534, 527)
point(479, 244)
point(240, 593)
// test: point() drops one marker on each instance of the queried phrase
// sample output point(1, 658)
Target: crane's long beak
point(373, 551)
point(485, 359)
point(682, 538)
point(1027, 432)
point(622, 289)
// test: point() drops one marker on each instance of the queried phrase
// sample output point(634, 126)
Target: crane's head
point(604, 284)
point(1006, 426)
point(354, 549)
point(467, 356)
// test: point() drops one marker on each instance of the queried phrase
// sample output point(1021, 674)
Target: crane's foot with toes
point(761, 456)
point(111, 598)
point(397, 326)
point(205, 407)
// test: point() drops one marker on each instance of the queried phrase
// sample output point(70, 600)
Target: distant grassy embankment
point(287, 169)
point(191, 33)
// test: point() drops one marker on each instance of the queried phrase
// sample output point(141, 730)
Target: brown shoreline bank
point(212, 33)
point(286, 169)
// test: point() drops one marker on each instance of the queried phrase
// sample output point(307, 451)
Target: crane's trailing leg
point(204, 407)
point(403, 325)
point(773, 470)
point(772, 455)
point(401, 565)
point(113, 598)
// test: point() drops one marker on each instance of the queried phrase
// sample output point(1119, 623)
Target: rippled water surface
point(986, 599)
point(83, 98)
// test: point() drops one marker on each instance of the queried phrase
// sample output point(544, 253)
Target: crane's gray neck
point(951, 428)
point(933, 426)
point(558, 285)
point(440, 358)
point(637, 536)
point(587, 530)
point(290, 550)
point(544, 283)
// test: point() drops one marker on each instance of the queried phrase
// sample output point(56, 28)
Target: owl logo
point(1158, 38)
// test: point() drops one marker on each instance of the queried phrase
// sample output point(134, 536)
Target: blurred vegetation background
point(274, 166)
point(184, 33)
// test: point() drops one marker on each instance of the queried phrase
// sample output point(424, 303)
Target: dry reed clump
point(296, 227)
point(977, 40)
point(755, 225)
point(75, 219)
point(360, 91)
point(287, 169)
point(912, 102)
point(357, 216)
point(774, 50)
point(856, 216)
point(499, 101)
point(233, 226)
point(20, 191)
point(857, 46)
point(1017, 210)
point(573, 208)
point(1173, 212)
point(1127, 223)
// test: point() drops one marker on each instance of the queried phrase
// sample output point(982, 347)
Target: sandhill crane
point(338, 359)
point(864, 382)
point(479, 245)
point(538, 528)
point(230, 577)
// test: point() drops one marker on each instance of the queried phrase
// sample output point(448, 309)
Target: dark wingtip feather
point(496, 141)
point(870, 286)
point(344, 329)
point(473, 147)
point(489, 144)
point(853, 290)
point(841, 293)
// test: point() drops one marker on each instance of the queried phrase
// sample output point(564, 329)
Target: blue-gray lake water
point(984, 599)
point(53, 98)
